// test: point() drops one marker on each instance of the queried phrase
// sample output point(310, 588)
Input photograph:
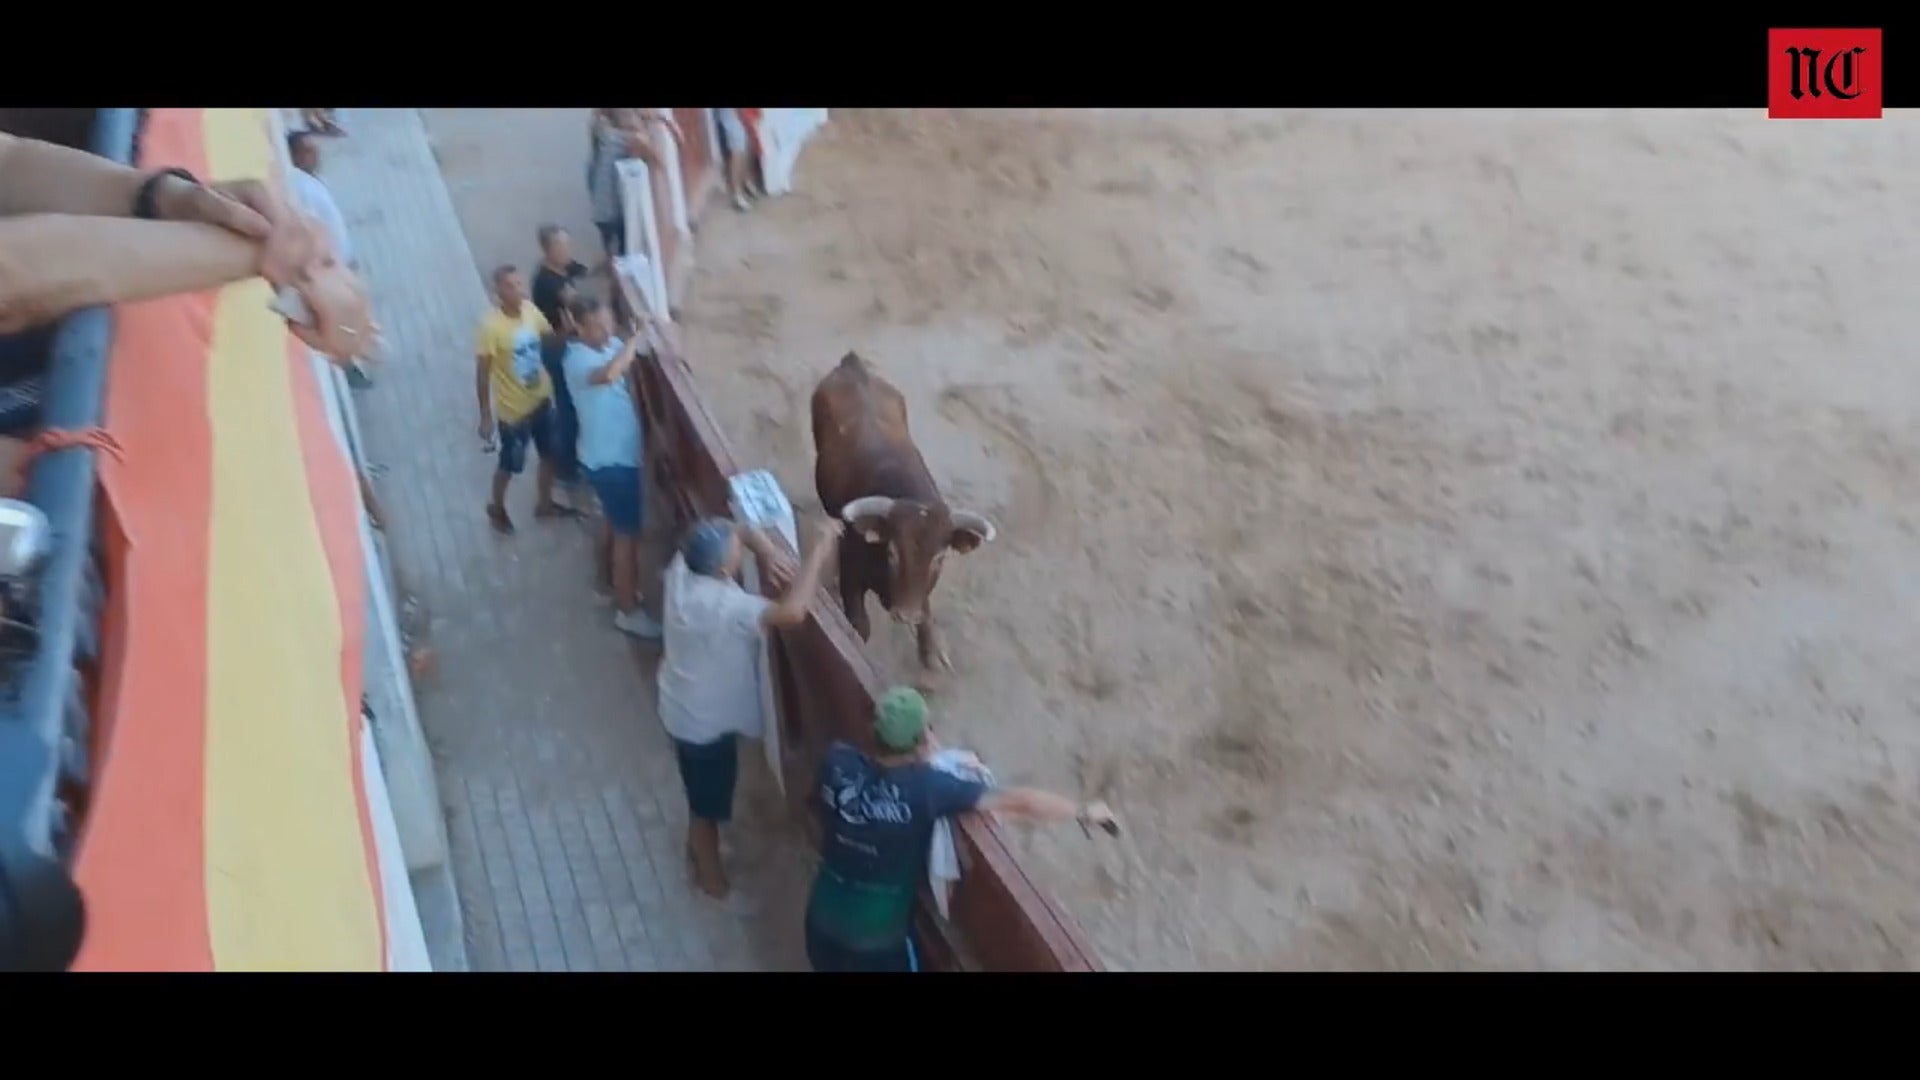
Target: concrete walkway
point(564, 812)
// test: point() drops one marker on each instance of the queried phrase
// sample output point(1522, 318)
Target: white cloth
point(943, 859)
point(312, 195)
point(710, 657)
point(759, 502)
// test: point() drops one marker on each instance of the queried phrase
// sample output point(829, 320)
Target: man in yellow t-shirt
point(516, 396)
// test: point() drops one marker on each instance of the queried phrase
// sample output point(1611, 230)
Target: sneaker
point(741, 204)
point(638, 623)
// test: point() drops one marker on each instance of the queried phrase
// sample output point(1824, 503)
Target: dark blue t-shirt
point(876, 827)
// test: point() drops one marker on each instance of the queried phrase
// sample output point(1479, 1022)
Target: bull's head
point(918, 536)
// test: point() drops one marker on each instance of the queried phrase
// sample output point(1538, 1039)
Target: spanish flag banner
point(228, 828)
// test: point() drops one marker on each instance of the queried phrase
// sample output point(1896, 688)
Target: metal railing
point(45, 721)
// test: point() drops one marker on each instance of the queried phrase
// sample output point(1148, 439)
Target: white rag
point(758, 501)
point(943, 860)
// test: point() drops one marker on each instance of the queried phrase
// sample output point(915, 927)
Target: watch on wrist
point(143, 200)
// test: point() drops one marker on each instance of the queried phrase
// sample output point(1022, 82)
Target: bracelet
point(143, 207)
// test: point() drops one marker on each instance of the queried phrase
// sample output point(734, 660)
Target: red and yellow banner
point(229, 825)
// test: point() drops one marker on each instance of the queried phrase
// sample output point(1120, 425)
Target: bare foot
point(712, 881)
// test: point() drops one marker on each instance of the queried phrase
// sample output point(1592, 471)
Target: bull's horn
point(972, 522)
point(870, 506)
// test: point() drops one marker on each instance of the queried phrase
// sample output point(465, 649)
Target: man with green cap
point(877, 816)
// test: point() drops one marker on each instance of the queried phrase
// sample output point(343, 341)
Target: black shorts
point(708, 771)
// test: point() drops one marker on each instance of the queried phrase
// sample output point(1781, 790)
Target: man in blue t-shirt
point(596, 366)
point(877, 816)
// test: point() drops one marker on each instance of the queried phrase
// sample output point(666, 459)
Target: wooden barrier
point(1000, 920)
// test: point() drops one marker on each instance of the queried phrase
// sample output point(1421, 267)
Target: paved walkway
point(563, 809)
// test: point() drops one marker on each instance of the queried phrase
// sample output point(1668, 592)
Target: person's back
point(877, 817)
point(877, 822)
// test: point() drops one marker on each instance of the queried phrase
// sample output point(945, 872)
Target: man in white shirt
point(710, 667)
point(311, 193)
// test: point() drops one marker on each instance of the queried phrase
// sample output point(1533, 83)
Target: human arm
point(1045, 808)
point(52, 264)
point(548, 334)
point(775, 563)
point(45, 178)
point(791, 608)
point(616, 369)
point(483, 382)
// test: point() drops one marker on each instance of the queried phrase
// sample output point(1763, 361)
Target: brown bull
point(867, 471)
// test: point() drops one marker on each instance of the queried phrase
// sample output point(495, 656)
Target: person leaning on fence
point(617, 134)
point(877, 815)
point(595, 366)
point(710, 666)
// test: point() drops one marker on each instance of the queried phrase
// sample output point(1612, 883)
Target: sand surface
point(1450, 540)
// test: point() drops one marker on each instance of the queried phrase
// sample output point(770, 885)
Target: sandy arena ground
point(1449, 540)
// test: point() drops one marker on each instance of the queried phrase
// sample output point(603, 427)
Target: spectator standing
point(596, 367)
point(733, 127)
point(314, 197)
point(555, 286)
point(615, 138)
point(709, 671)
point(877, 815)
point(516, 396)
point(312, 194)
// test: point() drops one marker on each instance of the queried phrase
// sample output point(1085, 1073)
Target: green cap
point(900, 718)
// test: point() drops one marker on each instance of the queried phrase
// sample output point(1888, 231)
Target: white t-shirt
point(710, 662)
point(312, 195)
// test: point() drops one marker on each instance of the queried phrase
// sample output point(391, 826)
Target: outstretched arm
point(1044, 807)
point(47, 178)
point(791, 608)
point(53, 264)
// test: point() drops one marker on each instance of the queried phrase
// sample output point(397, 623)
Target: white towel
point(943, 860)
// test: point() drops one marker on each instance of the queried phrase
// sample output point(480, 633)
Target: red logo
point(1823, 74)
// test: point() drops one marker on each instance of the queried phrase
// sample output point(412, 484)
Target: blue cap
point(705, 546)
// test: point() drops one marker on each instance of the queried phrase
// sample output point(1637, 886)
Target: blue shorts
point(535, 428)
point(618, 488)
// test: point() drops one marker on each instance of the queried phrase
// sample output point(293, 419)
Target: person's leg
point(613, 238)
point(737, 169)
point(618, 489)
point(566, 425)
point(540, 433)
point(708, 771)
point(739, 154)
point(513, 458)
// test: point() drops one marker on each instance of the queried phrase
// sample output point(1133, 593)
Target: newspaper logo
point(1823, 74)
